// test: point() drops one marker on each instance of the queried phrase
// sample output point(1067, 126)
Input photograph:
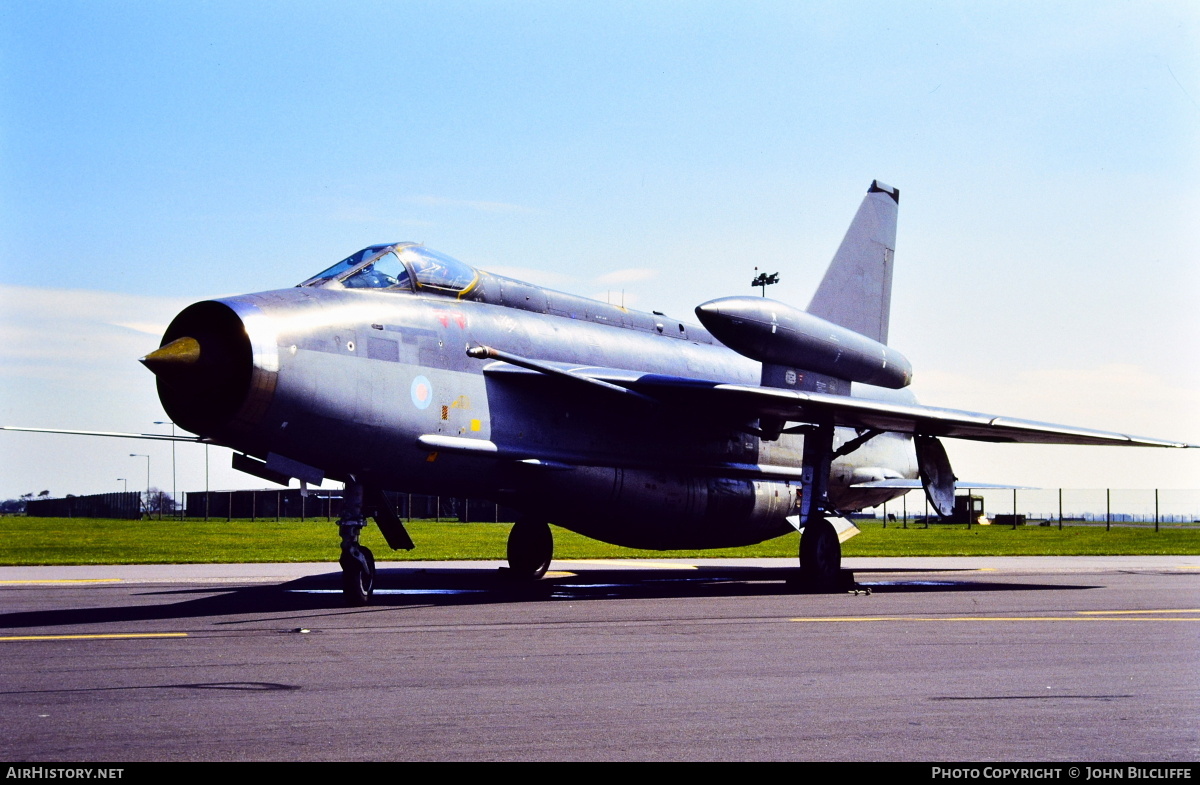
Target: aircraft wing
point(158, 437)
point(917, 419)
point(960, 485)
point(747, 402)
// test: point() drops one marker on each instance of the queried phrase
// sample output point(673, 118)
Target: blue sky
point(153, 154)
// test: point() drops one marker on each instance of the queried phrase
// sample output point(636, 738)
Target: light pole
point(174, 494)
point(122, 479)
point(147, 457)
point(764, 280)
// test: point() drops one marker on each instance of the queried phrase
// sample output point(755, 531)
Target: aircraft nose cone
point(177, 355)
point(203, 367)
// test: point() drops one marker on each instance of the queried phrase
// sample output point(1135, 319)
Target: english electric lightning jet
point(402, 369)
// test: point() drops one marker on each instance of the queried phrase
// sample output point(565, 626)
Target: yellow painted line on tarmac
point(559, 574)
point(1164, 610)
point(65, 580)
point(854, 618)
point(631, 563)
point(99, 636)
point(993, 618)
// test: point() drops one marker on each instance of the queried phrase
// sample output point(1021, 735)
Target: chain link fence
point(1150, 508)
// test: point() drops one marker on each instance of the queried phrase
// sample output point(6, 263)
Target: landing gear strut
point(358, 563)
point(820, 550)
point(530, 549)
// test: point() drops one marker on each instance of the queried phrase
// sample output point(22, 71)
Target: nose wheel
point(358, 575)
point(357, 561)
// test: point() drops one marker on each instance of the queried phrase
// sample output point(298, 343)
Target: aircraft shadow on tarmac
point(400, 587)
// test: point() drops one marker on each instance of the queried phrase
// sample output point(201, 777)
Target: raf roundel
point(421, 392)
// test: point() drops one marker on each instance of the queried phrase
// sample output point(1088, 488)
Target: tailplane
point(856, 291)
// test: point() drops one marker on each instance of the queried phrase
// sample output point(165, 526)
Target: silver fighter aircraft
point(402, 369)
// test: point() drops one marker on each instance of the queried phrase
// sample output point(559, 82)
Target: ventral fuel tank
point(773, 332)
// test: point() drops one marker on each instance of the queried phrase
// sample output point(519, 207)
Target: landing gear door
point(936, 475)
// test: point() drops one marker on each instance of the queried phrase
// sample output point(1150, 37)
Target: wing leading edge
point(925, 420)
point(158, 437)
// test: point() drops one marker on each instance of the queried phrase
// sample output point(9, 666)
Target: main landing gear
point(358, 563)
point(821, 557)
point(530, 549)
point(820, 549)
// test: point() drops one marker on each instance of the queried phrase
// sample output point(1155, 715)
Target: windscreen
point(386, 272)
point(397, 266)
point(347, 264)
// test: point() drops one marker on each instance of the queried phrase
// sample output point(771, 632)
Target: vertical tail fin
point(856, 291)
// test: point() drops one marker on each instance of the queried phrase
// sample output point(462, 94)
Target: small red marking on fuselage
point(444, 317)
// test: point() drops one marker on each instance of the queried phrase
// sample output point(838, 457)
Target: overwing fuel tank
point(773, 332)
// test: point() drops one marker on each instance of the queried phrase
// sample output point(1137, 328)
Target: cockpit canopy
point(399, 266)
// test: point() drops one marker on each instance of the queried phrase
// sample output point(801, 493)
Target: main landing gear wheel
point(820, 557)
point(358, 575)
point(530, 549)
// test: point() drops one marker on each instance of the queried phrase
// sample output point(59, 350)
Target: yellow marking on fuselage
point(65, 580)
point(469, 287)
point(98, 636)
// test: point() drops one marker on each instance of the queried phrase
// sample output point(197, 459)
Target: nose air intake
point(203, 367)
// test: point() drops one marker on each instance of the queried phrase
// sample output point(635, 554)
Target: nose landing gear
point(358, 574)
point(357, 561)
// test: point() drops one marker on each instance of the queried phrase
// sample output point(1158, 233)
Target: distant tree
point(43, 494)
point(10, 506)
point(158, 501)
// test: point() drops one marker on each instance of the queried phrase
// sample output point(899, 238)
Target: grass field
point(25, 541)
